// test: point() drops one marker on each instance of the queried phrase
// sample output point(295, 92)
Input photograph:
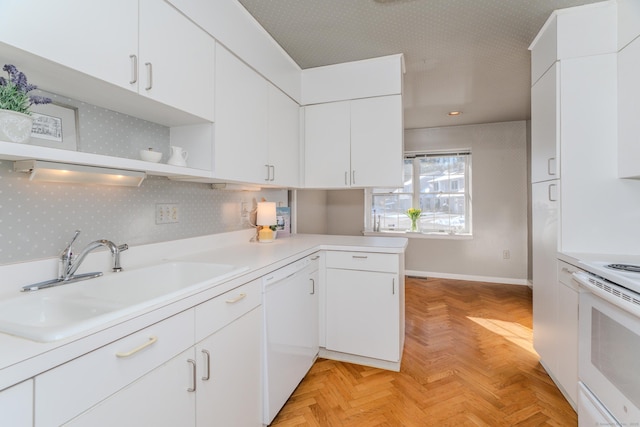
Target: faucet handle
point(67, 251)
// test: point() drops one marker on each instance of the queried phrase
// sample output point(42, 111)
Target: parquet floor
point(468, 361)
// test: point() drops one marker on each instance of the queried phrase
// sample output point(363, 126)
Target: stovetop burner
point(625, 267)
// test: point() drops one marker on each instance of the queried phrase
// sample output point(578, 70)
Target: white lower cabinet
point(229, 358)
point(16, 405)
point(229, 387)
point(160, 398)
point(68, 390)
point(363, 307)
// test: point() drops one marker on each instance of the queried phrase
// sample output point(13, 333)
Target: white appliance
point(290, 303)
point(609, 345)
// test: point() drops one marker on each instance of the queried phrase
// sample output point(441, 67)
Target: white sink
point(59, 312)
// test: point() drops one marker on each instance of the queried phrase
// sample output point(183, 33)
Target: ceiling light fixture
point(79, 174)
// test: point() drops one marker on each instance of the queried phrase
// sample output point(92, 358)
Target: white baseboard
point(502, 280)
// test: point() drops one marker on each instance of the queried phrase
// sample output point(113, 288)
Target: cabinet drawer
point(565, 270)
point(363, 261)
point(69, 389)
point(224, 309)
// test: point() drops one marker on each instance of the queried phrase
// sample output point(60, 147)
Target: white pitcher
point(178, 156)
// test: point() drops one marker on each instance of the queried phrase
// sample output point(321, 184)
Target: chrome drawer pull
point(149, 75)
point(152, 340)
point(193, 375)
point(207, 356)
point(134, 69)
point(313, 258)
point(236, 299)
point(549, 166)
point(360, 256)
point(393, 286)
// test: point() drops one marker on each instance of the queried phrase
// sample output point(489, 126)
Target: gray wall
point(336, 212)
point(38, 219)
point(499, 197)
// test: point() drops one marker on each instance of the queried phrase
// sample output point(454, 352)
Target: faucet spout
point(113, 248)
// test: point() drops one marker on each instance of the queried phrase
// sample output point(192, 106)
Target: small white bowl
point(150, 156)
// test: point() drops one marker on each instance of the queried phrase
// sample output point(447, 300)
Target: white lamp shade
point(266, 213)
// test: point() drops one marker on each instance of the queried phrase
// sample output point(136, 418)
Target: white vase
point(14, 126)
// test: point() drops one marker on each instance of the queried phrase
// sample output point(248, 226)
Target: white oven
point(609, 351)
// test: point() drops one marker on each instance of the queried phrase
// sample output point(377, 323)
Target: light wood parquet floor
point(468, 361)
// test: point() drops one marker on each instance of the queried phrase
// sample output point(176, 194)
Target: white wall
point(500, 205)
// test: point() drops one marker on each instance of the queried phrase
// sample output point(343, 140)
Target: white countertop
point(21, 359)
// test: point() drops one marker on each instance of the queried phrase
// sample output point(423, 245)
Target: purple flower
point(14, 91)
point(37, 99)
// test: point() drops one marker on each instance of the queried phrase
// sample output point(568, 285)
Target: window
point(438, 184)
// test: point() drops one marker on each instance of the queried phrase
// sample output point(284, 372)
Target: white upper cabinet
point(628, 21)
point(376, 142)
point(95, 38)
point(354, 143)
point(145, 47)
point(629, 103)
point(545, 99)
point(327, 145)
point(242, 102)
point(176, 60)
point(283, 140)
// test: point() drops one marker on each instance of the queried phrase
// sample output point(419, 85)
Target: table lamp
point(266, 217)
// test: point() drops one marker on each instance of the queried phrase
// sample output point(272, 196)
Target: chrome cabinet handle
point(353, 177)
point(549, 165)
point(359, 256)
point(315, 257)
point(193, 375)
point(141, 347)
point(207, 357)
point(313, 286)
point(268, 173)
point(149, 75)
point(393, 286)
point(551, 199)
point(236, 299)
point(134, 69)
point(346, 176)
point(273, 172)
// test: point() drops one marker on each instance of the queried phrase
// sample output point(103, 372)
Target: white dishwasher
point(290, 304)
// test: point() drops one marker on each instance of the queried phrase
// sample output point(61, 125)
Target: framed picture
point(55, 126)
point(283, 221)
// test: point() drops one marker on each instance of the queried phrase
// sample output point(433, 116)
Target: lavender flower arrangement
point(14, 92)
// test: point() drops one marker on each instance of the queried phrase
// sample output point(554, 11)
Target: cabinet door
point(284, 139)
point(176, 61)
point(241, 120)
point(363, 313)
point(92, 37)
point(376, 142)
point(160, 398)
point(229, 377)
point(327, 137)
point(544, 127)
point(629, 110)
point(545, 280)
point(16, 405)
point(567, 373)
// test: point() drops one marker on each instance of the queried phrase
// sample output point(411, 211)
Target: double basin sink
point(59, 312)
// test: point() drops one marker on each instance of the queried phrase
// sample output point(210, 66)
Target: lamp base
point(265, 235)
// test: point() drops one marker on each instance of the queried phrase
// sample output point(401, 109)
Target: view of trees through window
point(436, 184)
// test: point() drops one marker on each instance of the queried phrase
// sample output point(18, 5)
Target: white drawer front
point(224, 309)
point(365, 261)
point(69, 389)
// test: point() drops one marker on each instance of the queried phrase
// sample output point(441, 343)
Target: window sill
point(413, 235)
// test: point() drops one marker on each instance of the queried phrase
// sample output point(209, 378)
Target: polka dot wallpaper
point(38, 219)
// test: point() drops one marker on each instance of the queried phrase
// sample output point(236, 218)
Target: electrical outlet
point(167, 213)
point(244, 212)
point(506, 254)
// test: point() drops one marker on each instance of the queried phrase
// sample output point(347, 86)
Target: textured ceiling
point(466, 55)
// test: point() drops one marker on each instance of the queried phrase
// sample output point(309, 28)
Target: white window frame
point(466, 234)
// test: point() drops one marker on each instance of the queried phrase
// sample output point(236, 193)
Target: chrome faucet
point(68, 264)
